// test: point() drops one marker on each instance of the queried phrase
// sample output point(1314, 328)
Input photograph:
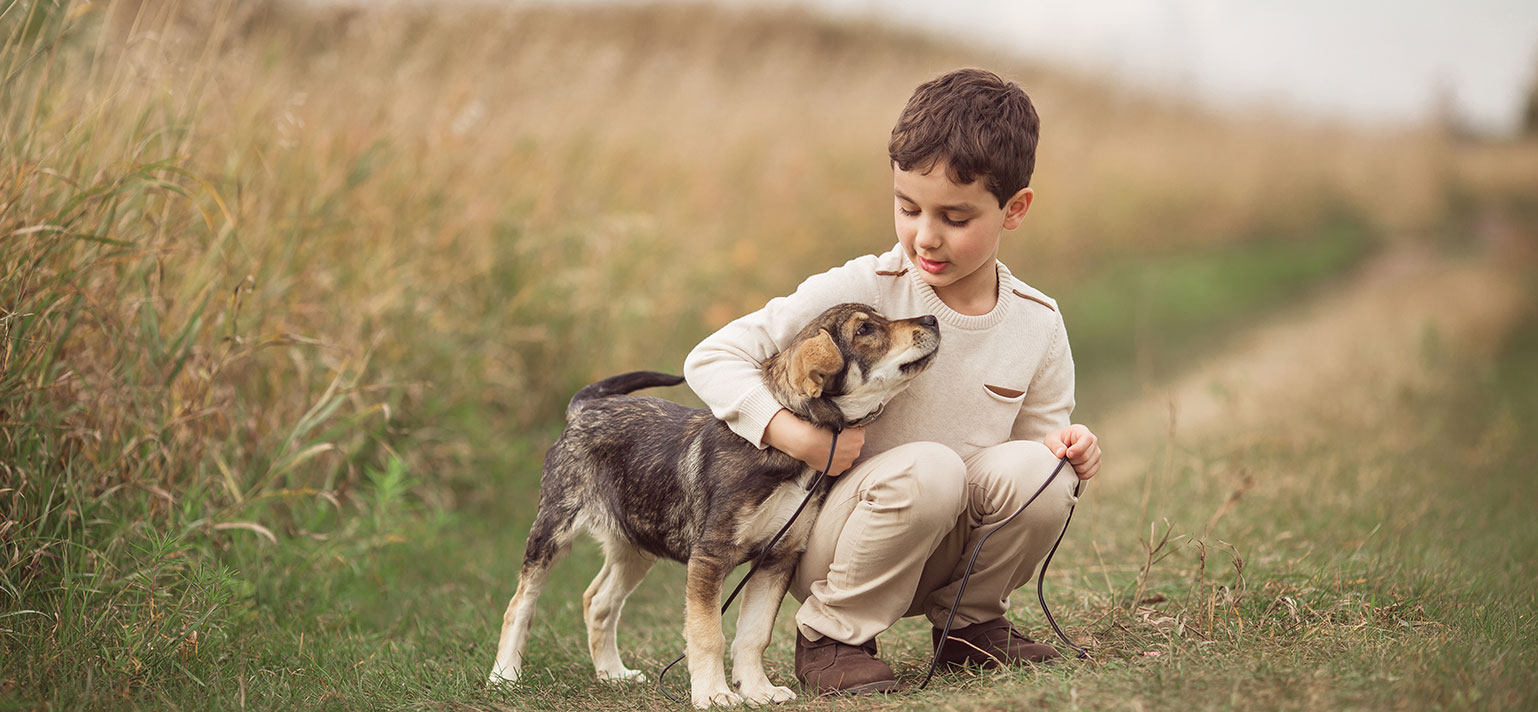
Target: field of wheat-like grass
point(283, 283)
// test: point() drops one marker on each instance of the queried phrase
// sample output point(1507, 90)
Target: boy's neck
point(975, 295)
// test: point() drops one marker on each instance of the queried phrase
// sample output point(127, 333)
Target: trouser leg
point(999, 480)
point(868, 547)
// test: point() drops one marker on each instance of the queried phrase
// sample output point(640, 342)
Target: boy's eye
point(907, 212)
point(957, 223)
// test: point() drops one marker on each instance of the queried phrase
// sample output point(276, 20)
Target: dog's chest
point(764, 521)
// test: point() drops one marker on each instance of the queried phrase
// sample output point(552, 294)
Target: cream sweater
point(1004, 375)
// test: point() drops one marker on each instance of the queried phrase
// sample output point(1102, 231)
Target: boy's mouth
point(931, 266)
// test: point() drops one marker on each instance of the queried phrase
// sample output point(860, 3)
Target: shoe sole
point(870, 688)
point(953, 665)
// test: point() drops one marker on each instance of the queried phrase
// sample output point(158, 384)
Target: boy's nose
point(928, 236)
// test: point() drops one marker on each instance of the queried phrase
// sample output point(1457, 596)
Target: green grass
point(1411, 596)
point(1141, 320)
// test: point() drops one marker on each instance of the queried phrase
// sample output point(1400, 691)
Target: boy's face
point(951, 232)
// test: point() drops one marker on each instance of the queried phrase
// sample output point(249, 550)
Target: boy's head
point(975, 123)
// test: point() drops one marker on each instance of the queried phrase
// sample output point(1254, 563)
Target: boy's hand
point(1079, 445)
point(808, 443)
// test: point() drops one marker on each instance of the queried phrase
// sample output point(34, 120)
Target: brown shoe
point(990, 643)
point(827, 666)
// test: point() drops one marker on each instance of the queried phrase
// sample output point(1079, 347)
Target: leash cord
point(1040, 576)
point(1041, 596)
point(811, 491)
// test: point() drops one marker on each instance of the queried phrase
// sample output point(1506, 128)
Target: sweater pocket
point(995, 415)
point(1004, 393)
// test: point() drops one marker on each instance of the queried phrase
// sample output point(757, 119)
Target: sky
point(1362, 60)
point(1367, 61)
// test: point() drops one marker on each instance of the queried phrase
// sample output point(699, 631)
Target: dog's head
point(849, 362)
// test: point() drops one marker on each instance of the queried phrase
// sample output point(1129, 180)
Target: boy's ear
point(813, 362)
point(1016, 206)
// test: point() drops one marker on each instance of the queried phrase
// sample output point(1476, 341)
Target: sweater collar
point(950, 316)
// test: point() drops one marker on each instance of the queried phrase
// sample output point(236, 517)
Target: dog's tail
point(622, 384)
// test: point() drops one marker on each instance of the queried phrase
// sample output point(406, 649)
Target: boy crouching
point(969, 441)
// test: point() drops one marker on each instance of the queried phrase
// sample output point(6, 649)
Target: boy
point(969, 440)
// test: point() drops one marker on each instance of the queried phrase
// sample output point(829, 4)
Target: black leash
point(1083, 654)
point(811, 491)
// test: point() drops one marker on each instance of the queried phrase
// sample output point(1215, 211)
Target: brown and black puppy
point(649, 478)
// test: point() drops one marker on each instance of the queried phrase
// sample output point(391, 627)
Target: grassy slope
point(1139, 321)
point(153, 392)
point(1409, 596)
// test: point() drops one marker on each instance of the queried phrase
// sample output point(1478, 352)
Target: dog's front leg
point(703, 641)
point(755, 624)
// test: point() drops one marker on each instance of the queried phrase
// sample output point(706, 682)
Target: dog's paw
point(624, 674)
point(502, 677)
point(718, 697)
point(767, 695)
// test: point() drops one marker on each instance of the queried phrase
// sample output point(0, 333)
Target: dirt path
point(1351, 346)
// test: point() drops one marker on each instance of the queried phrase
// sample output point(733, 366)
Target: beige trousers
point(895, 534)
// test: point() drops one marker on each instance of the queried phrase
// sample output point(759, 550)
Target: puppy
point(649, 478)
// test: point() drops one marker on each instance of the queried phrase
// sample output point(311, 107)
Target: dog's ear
point(813, 362)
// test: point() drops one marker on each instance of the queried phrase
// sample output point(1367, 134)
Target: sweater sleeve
point(724, 370)
point(1049, 399)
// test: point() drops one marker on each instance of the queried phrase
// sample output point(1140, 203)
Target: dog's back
point(651, 470)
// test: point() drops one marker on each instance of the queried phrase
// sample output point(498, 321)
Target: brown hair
point(976, 122)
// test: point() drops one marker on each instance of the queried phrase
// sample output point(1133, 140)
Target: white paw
point(718, 697)
point(767, 695)
point(502, 677)
point(624, 674)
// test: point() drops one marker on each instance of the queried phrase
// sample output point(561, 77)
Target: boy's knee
point(929, 481)
point(1015, 470)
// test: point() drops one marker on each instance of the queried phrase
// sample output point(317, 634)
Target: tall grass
point(275, 278)
point(155, 405)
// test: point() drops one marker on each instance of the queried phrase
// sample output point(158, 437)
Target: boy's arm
point(723, 369)
point(1049, 399)
point(1049, 402)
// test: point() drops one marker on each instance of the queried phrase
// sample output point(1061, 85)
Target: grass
point(1141, 321)
point(291, 299)
point(1370, 597)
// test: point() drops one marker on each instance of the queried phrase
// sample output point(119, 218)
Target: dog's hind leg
point(549, 540)
point(755, 623)
point(623, 568)
point(703, 642)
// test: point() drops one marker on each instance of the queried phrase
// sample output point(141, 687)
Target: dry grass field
point(292, 299)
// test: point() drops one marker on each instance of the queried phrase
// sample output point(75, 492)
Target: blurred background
point(321, 272)
point(1360, 62)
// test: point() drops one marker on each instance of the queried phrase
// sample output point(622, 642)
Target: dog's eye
point(865, 328)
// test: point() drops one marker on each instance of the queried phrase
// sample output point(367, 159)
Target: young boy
point(969, 441)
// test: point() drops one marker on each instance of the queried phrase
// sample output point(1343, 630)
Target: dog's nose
point(929, 321)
